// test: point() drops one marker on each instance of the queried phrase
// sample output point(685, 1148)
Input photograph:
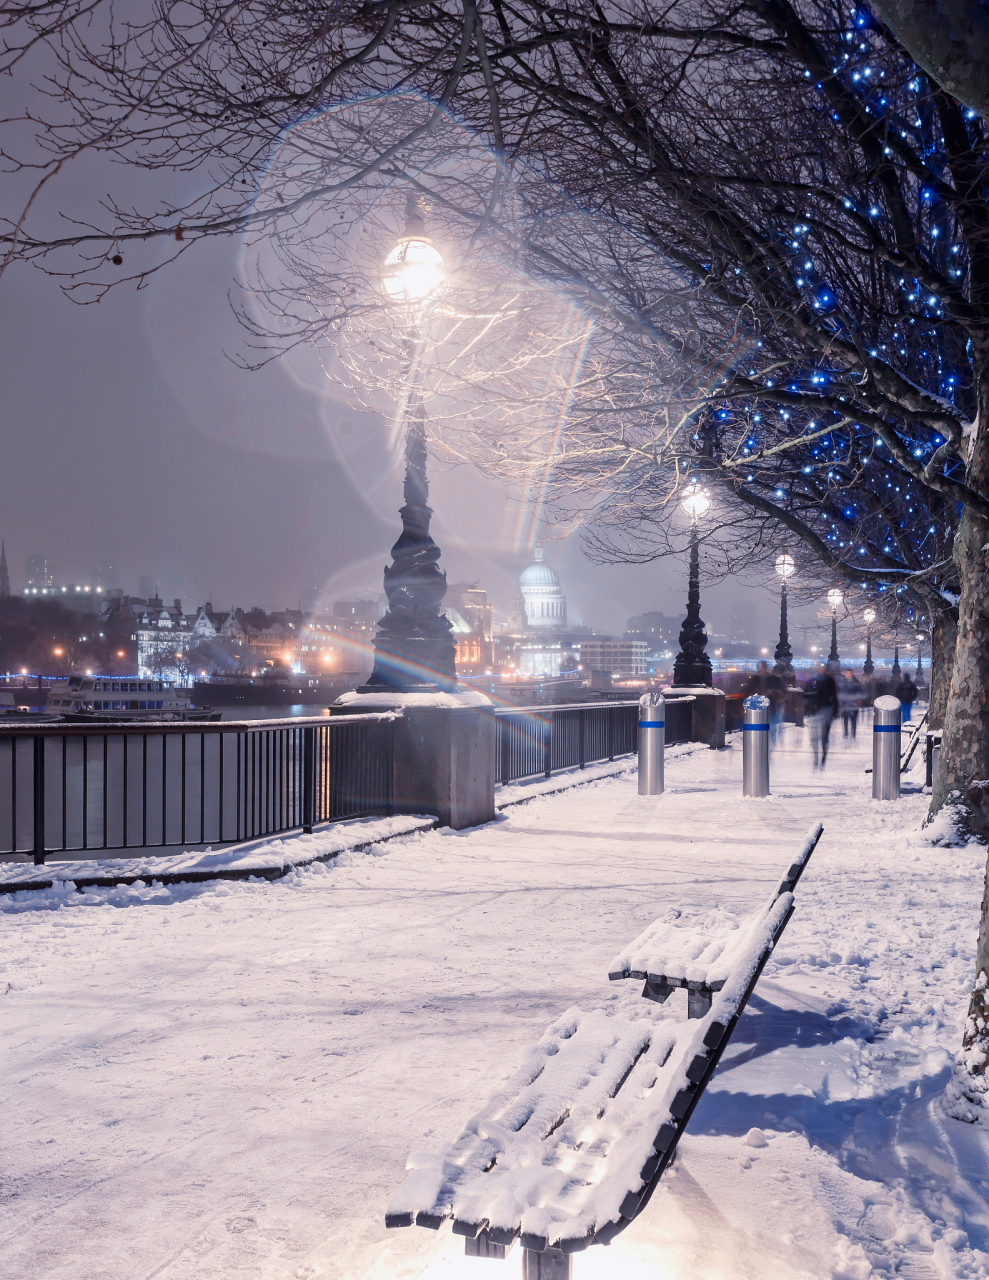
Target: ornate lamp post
point(784, 654)
point(835, 597)
point(920, 659)
point(692, 666)
point(867, 666)
point(897, 672)
point(413, 648)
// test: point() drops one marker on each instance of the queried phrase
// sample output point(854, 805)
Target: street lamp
point(867, 666)
point(835, 597)
point(413, 647)
point(785, 566)
point(920, 659)
point(692, 666)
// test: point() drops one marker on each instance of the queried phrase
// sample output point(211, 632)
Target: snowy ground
point(224, 1079)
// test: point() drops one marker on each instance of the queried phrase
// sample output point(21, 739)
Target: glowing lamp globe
point(835, 597)
point(695, 500)
point(869, 616)
point(413, 272)
point(785, 565)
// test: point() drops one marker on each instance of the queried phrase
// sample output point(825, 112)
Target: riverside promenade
point(225, 1079)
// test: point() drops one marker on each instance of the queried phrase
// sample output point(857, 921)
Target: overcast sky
point(130, 437)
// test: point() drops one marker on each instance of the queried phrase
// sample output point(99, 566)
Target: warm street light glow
point(120, 653)
point(413, 272)
point(785, 565)
point(835, 597)
point(695, 500)
point(869, 616)
point(57, 652)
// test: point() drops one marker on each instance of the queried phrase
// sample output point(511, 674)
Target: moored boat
point(105, 698)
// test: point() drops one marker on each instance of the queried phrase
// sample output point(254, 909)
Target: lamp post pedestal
point(896, 673)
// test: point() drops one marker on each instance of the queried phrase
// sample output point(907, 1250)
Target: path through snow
point(225, 1080)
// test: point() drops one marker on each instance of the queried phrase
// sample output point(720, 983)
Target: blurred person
point(906, 691)
point(824, 707)
point(850, 697)
point(769, 684)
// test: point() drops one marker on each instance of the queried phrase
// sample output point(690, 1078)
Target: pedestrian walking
point(769, 684)
point(850, 695)
point(906, 691)
point(824, 708)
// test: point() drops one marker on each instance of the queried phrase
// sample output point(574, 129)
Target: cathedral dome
point(538, 576)
point(544, 602)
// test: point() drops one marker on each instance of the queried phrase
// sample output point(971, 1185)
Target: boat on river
point(105, 698)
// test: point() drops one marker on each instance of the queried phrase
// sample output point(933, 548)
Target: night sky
point(129, 436)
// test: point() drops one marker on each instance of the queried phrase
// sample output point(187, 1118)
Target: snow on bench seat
point(567, 1152)
point(669, 955)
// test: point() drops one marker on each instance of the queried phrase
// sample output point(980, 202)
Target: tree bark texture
point(963, 778)
point(944, 636)
point(949, 39)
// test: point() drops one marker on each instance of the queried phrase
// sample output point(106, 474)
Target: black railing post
point(39, 802)
point(580, 736)
point(308, 779)
point(548, 744)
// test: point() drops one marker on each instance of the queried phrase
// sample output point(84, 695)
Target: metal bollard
point(755, 746)
point(886, 748)
point(652, 743)
point(935, 762)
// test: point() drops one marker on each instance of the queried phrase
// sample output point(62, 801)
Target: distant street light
point(867, 666)
point(920, 658)
point(835, 597)
point(785, 567)
point(413, 647)
point(692, 666)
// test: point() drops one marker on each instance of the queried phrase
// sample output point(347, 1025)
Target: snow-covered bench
point(669, 956)
point(570, 1149)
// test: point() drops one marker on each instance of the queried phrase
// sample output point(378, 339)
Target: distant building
point(359, 610)
point(80, 598)
point(107, 575)
point(614, 657)
point(543, 603)
point(472, 618)
point(659, 630)
point(39, 572)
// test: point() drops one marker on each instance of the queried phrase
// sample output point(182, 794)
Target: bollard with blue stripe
point(755, 746)
point(652, 744)
point(886, 748)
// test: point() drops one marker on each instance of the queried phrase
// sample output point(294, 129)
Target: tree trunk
point(943, 640)
point(949, 39)
point(963, 774)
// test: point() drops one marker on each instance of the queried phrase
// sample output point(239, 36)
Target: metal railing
point(77, 787)
point(547, 739)
point(84, 787)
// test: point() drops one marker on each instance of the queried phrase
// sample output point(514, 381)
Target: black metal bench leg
point(698, 1002)
point(481, 1247)
point(551, 1264)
